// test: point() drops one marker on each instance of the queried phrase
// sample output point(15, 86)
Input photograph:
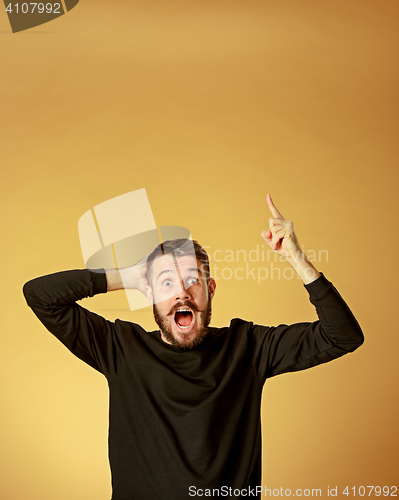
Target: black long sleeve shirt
point(185, 421)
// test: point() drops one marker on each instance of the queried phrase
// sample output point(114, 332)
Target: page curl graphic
point(120, 232)
point(26, 15)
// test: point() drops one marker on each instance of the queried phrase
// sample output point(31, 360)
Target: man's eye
point(192, 281)
point(167, 283)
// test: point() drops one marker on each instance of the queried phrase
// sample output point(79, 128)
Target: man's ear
point(149, 294)
point(211, 288)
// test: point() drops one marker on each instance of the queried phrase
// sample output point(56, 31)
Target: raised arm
point(299, 346)
point(87, 335)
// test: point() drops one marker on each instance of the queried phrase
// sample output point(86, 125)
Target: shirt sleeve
point(288, 348)
point(89, 336)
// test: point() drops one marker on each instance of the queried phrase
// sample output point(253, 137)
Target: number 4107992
point(26, 8)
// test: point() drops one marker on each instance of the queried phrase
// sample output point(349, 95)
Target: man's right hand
point(134, 277)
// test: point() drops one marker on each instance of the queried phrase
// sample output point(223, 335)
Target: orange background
point(209, 105)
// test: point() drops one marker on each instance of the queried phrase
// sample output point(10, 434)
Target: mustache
point(186, 303)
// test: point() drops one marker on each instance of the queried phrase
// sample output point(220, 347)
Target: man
point(185, 400)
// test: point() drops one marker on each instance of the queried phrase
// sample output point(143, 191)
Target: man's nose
point(183, 293)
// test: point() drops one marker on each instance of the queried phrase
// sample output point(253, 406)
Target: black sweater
point(181, 419)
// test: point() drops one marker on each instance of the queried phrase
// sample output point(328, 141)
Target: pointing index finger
point(276, 214)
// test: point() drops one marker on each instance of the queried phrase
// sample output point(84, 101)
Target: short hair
point(178, 248)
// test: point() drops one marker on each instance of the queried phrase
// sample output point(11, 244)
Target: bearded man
point(185, 400)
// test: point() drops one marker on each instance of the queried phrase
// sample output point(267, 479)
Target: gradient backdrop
point(209, 105)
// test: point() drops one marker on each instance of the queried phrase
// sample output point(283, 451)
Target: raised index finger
point(276, 214)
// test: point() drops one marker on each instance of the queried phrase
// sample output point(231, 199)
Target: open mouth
point(184, 318)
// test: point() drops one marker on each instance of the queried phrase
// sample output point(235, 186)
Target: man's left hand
point(281, 236)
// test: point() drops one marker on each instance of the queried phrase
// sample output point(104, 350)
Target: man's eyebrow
point(195, 269)
point(163, 272)
point(168, 270)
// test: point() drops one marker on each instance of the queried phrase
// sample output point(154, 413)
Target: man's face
point(181, 300)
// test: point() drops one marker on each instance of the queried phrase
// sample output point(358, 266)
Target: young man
point(185, 400)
